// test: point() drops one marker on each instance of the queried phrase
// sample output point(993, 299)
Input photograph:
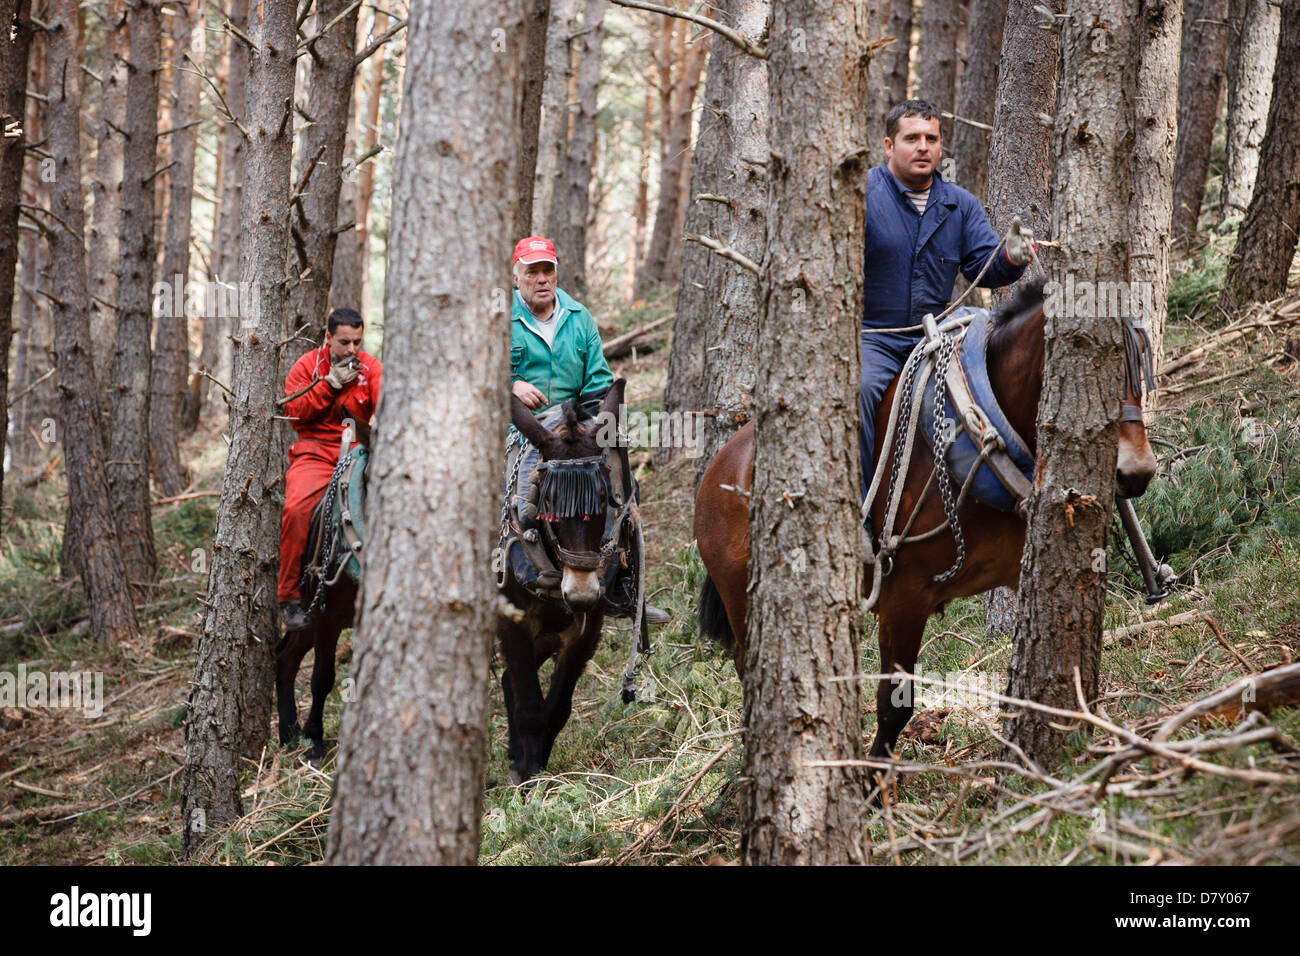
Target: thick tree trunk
point(1266, 242)
point(572, 200)
point(537, 14)
point(104, 574)
point(553, 129)
point(899, 56)
point(230, 703)
point(1203, 53)
point(641, 206)
point(1253, 52)
point(801, 705)
point(425, 633)
point(937, 76)
point(1155, 133)
point(319, 173)
point(128, 449)
point(978, 94)
point(1063, 573)
point(13, 149)
point(226, 244)
point(171, 361)
point(663, 258)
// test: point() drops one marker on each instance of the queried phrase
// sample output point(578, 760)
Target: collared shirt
point(570, 364)
point(543, 327)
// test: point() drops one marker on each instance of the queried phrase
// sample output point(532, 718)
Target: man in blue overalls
point(920, 229)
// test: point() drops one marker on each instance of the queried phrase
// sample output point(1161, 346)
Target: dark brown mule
point(909, 594)
point(568, 630)
point(322, 636)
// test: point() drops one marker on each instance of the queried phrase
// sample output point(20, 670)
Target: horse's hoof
point(316, 753)
point(629, 696)
point(290, 735)
point(516, 778)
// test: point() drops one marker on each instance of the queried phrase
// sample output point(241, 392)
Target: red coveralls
point(318, 414)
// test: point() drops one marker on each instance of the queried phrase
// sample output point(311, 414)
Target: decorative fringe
point(1137, 358)
point(570, 489)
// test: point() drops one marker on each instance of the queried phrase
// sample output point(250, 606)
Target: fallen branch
point(1279, 687)
point(617, 348)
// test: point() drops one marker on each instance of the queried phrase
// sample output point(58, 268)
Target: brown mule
point(909, 594)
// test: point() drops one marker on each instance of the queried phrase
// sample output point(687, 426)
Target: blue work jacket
point(911, 260)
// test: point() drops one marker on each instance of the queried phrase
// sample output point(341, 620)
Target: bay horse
point(327, 622)
point(909, 593)
point(574, 494)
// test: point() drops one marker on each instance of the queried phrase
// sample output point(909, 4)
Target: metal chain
point(945, 433)
point(904, 395)
point(514, 438)
point(327, 520)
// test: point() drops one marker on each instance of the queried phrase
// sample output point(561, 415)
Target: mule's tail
point(713, 615)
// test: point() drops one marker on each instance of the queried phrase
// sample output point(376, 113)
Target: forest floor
point(657, 781)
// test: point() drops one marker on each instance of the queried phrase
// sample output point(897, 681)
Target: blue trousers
point(882, 359)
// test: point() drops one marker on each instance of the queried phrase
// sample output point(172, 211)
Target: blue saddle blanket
point(962, 453)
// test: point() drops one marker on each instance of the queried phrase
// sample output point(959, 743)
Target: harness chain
point(327, 520)
point(513, 482)
point(945, 433)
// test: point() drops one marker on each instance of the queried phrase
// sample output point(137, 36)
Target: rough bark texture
point(319, 173)
point(171, 360)
point(1252, 54)
point(409, 788)
point(128, 446)
point(13, 93)
point(663, 257)
point(1266, 243)
point(112, 615)
point(1062, 572)
point(1203, 54)
point(572, 200)
point(1155, 137)
point(537, 14)
point(977, 98)
point(898, 56)
point(553, 131)
point(230, 703)
point(803, 513)
point(225, 252)
point(937, 75)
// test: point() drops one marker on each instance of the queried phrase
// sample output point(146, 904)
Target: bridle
point(578, 488)
point(1137, 369)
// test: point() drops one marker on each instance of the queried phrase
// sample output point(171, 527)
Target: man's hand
point(530, 396)
point(1020, 249)
point(341, 373)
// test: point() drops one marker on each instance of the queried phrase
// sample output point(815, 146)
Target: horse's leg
point(523, 701)
point(288, 658)
point(901, 624)
point(322, 682)
point(564, 679)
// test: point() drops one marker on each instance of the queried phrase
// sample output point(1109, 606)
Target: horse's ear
point(528, 426)
point(614, 397)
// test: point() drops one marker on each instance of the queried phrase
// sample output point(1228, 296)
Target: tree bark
point(13, 150)
point(937, 76)
point(553, 129)
point(977, 98)
point(128, 449)
point(1203, 54)
point(803, 512)
point(104, 574)
point(319, 173)
point(898, 62)
point(409, 787)
point(1155, 137)
point(1266, 242)
point(535, 45)
point(573, 201)
point(230, 703)
point(1062, 572)
point(171, 362)
point(1253, 52)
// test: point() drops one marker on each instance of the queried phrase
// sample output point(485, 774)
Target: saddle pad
point(963, 453)
point(352, 489)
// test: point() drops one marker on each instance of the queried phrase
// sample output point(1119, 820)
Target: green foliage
point(1192, 293)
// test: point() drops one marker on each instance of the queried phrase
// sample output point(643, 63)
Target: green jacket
point(573, 365)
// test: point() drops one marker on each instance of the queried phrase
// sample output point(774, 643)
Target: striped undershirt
point(919, 198)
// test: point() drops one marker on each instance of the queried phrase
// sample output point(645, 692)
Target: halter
point(1137, 368)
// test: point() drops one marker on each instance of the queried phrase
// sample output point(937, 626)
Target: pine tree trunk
point(641, 206)
point(230, 703)
point(1062, 574)
point(937, 76)
point(319, 173)
point(171, 361)
point(424, 637)
point(1266, 242)
point(803, 513)
point(1202, 57)
point(1156, 136)
point(536, 17)
point(104, 573)
point(366, 188)
point(572, 201)
point(553, 129)
point(978, 96)
point(900, 54)
point(129, 454)
point(1253, 52)
point(13, 149)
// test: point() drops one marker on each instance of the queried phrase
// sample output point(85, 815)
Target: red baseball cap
point(534, 249)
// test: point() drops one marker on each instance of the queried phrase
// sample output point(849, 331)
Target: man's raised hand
point(1020, 250)
point(530, 396)
point(341, 373)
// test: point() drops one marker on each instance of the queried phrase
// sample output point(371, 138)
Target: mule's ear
point(614, 397)
point(528, 426)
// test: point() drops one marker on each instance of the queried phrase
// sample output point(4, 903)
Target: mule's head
point(1136, 464)
point(573, 492)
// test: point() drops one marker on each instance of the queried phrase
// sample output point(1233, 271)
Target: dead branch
point(617, 348)
point(723, 31)
point(725, 251)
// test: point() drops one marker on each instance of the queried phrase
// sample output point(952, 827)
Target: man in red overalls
point(336, 381)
